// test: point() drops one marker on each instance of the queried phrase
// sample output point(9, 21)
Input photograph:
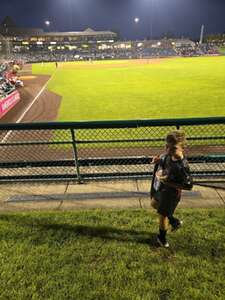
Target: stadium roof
point(14, 31)
point(87, 32)
point(8, 28)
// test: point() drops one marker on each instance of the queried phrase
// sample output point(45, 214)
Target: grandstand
point(36, 45)
point(216, 39)
point(25, 40)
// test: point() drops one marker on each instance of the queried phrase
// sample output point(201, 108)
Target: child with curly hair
point(171, 175)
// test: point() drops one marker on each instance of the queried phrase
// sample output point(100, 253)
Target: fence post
point(75, 155)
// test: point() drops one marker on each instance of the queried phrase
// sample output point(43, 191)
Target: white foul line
point(29, 107)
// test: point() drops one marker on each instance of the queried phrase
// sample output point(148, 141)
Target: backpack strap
point(152, 190)
point(161, 163)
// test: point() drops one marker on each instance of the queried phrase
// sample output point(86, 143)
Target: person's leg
point(175, 223)
point(163, 227)
point(172, 220)
point(154, 203)
point(163, 209)
point(163, 222)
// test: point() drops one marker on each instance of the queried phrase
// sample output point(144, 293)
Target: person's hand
point(155, 159)
point(161, 177)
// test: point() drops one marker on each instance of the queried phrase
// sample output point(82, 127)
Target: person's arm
point(155, 159)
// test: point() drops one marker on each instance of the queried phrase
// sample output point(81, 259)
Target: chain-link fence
point(106, 150)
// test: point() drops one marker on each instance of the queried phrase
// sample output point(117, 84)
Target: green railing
point(102, 150)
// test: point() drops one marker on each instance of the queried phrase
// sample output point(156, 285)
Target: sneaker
point(162, 242)
point(178, 224)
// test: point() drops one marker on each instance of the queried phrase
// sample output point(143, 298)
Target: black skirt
point(168, 199)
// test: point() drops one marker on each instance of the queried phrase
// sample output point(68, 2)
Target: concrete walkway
point(112, 194)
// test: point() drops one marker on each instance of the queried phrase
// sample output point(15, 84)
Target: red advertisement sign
point(7, 103)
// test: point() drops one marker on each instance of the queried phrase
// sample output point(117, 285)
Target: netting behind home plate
point(106, 150)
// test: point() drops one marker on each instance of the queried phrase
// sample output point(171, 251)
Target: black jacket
point(177, 171)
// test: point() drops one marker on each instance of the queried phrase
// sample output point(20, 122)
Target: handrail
point(83, 151)
point(113, 124)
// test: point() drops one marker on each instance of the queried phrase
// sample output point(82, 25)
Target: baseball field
point(138, 89)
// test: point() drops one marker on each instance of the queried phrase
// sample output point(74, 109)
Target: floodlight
point(47, 23)
point(136, 20)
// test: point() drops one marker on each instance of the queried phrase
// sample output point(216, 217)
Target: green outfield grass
point(112, 90)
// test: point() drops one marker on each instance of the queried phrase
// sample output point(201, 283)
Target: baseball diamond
point(94, 91)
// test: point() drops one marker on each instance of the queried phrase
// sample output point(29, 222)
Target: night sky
point(180, 17)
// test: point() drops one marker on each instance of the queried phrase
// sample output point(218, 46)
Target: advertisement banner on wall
point(7, 103)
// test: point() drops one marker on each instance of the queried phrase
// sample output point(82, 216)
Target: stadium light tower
point(47, 23)
point(136, 21)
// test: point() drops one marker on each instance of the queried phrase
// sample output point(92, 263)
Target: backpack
point(180, 174)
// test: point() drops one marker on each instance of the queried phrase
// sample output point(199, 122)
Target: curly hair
point(176, 137)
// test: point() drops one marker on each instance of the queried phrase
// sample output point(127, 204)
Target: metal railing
point(101, 150)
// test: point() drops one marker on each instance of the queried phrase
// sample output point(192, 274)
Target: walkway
point(116, 194)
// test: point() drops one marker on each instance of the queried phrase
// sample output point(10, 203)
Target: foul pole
point(202, 34)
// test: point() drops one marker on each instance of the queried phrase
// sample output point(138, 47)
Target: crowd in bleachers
point(7, 85)
point(198, 50)
point(216, 40)
point(131, 51)
point(128, 51)
point(156, 52)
